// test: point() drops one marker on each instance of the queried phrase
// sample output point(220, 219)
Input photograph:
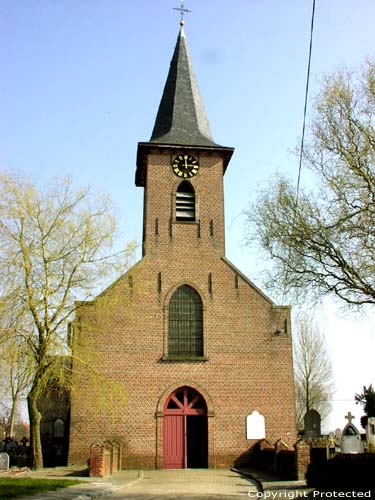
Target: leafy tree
point(367, 399)
point(323, 241)
point(56, 247)
point(312, 371)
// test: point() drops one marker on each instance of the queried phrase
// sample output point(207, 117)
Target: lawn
point(20, 487)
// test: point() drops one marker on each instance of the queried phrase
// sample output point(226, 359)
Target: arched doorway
point(185, 430)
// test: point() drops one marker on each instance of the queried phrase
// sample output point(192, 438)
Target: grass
point(20, 487)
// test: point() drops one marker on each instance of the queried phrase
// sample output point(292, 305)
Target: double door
point(185, 430)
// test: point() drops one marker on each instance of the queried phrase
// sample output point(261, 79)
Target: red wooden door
point(182, 403)
point(174, 437)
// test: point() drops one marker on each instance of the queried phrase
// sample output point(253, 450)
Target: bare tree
point(312, 370)
point(14, 379)
point(56, 247)
point(324, 243)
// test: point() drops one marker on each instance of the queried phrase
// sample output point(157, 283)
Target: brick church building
point(191, 343)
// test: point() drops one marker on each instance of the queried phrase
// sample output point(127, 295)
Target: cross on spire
point(182, 11)
point(349, 417)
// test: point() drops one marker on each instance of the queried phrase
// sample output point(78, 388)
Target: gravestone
point(338, 434)
point(59, 428)
point(351, 439)
point(255, 426)
point(312, 424)
point(4, 461)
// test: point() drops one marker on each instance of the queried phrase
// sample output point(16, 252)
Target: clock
point(185, 166)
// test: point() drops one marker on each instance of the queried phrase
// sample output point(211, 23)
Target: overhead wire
point(302, 143)
point(306, 101)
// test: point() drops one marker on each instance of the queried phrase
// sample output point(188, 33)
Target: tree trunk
point(36, 455)
point(12, 418)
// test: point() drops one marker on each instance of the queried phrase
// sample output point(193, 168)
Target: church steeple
point(181, 122)
point(182, 118)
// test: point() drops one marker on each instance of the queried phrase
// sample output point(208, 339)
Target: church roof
point(181, 117)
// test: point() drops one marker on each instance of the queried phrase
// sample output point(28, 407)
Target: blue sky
point(81, 82)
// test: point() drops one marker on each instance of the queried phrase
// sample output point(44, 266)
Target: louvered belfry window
point(185, 202)
point(185, 332)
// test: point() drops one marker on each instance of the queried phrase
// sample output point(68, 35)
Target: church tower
point(203, 357)
point(181, 169)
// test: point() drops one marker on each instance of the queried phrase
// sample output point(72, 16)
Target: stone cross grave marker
point(4, 461)
point(349, 417)
point(351, 439)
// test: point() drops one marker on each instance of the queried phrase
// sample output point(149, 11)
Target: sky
point(80, 86)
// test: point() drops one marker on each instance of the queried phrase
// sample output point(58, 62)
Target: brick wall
point(124, 335)
point(105, 458)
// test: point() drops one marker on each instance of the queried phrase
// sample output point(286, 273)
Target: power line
point(302, 137)
point(306, 100)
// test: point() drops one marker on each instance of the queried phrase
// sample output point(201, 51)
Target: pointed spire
point(181, 118)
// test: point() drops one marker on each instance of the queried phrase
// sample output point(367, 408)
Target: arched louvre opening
point(185, 325)
point(185, 202)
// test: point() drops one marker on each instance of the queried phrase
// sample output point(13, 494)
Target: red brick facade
point(247, 359)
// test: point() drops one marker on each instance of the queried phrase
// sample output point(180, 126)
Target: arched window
point(185, 202)
point(185, 326)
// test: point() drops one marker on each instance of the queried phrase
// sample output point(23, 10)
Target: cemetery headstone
point(4, 461)
point(312, 423)
point(255, 426)
point(351, 439)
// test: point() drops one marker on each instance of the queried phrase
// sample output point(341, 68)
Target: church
point(191, 344)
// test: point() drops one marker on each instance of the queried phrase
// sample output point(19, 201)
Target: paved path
point(188, 484)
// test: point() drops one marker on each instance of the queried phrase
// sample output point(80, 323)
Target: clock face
point(185, 166)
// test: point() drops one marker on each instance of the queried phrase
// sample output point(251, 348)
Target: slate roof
point(181, 118)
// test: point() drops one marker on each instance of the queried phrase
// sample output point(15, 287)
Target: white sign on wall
point(255, 426)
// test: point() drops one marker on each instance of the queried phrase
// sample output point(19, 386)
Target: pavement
point(266, 481)
point(165, 484)
point(188, 484)
point(269, 486)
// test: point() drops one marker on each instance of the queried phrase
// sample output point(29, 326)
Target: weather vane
point(182, 12)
